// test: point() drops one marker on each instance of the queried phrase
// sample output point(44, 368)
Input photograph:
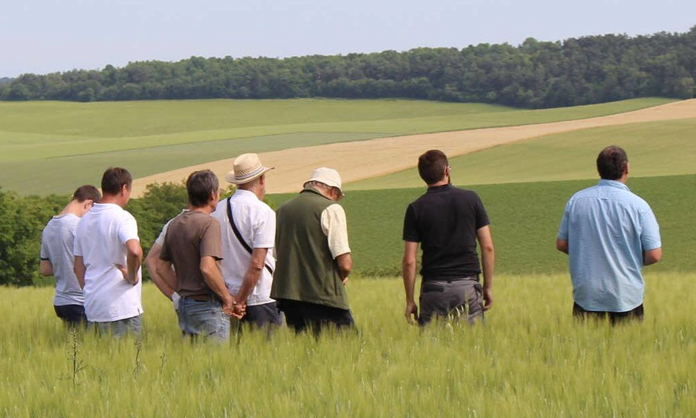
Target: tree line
point(535, 74)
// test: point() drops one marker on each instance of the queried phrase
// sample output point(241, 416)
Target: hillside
point(75, 142)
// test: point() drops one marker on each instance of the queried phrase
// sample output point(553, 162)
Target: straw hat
point(327, 176)
point(247, 167)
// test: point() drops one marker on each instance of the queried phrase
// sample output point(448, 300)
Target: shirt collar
point(310, 189)
point(245, 194)
point(613, 183)
point(438, 189)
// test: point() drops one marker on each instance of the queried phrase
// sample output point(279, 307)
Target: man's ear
point(628, 166)
point(124, 190)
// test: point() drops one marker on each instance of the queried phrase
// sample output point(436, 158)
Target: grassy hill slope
point(654, 149)
point(54, 146)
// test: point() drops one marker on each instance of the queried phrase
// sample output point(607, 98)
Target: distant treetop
point(535, 74)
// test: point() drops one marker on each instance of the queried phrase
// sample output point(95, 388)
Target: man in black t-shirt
point(447, 222)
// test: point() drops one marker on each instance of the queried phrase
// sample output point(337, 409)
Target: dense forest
point(535, 74)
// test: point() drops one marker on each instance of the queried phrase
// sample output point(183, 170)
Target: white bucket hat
point(327, 176)
point(246, 168)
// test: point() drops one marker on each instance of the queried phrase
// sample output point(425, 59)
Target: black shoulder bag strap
point(239, 235)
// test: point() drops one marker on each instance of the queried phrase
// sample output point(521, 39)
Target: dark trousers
point(614, 317)
point(71, 314)
point(302, 316)
point(260, 316)
point(458, 299)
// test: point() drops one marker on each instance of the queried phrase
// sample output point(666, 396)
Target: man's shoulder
point(125, 215)
point(588, 192)
point(464, 193)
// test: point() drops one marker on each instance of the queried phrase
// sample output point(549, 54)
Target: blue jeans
point(203, 318)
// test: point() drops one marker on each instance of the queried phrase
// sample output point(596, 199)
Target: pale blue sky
point(55, 35)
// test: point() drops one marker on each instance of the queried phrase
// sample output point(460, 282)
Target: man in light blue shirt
point(609, 234)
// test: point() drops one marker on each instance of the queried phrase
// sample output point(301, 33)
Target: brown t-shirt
point(190, 237)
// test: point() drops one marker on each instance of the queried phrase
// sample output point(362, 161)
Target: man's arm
point(650, 238)
point(46, 268)
point(163, 283)
point(562, 245)
point(80, 270)
point(488, 261)
point(213, 278)
point(335, 226)
point(408, 272)
point(652, 256)
point(253, 274)
point(345, 266)
point(165, 271)
point(134, 261)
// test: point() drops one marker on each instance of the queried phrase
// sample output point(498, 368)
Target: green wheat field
point(531, 359)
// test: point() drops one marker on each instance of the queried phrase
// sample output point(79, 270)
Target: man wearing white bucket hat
point(248, 228)
point(314, 258)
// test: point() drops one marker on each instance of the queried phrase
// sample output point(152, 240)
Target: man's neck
point(621, 179)
point(440, 183)
point(72, 208)
point(256, 191)
point(112, 199)
point(207, 209)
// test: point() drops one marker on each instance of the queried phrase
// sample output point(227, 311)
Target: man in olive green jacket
point(313, 256)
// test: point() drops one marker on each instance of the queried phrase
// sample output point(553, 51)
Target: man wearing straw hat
point(314, 258)
point(248, 227)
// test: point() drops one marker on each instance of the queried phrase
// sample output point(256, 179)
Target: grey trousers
point(451, 299)
point(119, 328)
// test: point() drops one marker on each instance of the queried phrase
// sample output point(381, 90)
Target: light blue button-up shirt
point(608, 228)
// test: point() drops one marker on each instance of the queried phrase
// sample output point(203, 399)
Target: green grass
point(654, 149)
point(76, 141)
point(530, 360)
point(524, 222)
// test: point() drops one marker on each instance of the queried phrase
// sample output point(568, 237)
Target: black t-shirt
point(445, 221)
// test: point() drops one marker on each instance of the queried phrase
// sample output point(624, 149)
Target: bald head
point(612, 163)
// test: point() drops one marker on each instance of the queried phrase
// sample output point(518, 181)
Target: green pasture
point(529, 360)
point(654, 149)
point(74, 142)
point(524, 223)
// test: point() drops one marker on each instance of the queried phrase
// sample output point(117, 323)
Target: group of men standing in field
point(218, 259)
point(236, 258)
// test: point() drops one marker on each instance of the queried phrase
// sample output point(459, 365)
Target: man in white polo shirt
point(108, 257)
point(248, 237)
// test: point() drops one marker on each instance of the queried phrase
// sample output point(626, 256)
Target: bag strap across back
point(237, 234)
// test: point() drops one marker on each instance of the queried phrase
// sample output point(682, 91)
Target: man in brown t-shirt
point(193, 245)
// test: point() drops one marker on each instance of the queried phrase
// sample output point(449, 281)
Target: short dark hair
point(87, 192)
point(200, 185)
point(114, 179)
point(431, 166)
point(612, 163)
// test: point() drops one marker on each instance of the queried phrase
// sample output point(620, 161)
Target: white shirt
point(256, 222)
point(57, 241)
point(101, 240)
point(335, 227)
